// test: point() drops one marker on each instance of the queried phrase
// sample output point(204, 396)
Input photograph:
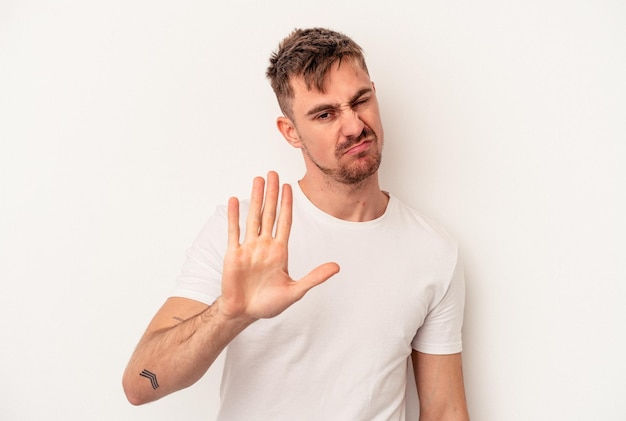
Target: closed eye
point(360, 102)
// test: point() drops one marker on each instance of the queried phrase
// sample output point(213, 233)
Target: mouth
point(358, 145)
point(358, 148)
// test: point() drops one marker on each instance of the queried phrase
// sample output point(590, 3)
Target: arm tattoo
point(152, 377)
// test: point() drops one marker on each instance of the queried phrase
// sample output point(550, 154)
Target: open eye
point(326, 115)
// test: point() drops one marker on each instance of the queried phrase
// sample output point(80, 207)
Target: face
point(339, 131)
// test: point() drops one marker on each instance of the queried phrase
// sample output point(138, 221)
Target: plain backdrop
point(124, 123)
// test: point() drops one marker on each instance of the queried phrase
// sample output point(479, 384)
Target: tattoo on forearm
point(152, 377)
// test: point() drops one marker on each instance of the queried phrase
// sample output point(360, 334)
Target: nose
point(351, 123)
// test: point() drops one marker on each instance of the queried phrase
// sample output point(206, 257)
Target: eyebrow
point(323, 107)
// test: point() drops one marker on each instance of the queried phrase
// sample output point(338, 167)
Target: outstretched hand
point(255, 281)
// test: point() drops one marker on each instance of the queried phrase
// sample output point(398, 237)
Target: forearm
point(174, 358)
point(255, 285)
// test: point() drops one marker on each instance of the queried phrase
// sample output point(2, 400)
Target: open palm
point(255, 281)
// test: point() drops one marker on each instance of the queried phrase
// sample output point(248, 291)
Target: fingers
point(253, 221)
point(268, 215)
point(318, 275)
point(262, 213)
point(233, 222)
point(283, 226)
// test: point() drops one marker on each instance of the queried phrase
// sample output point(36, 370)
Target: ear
point(374, 86)
point(289, 131)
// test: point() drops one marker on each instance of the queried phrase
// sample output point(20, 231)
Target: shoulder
point(416, 221)
point(425, 239)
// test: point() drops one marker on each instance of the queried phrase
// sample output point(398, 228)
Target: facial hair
point(366, 163)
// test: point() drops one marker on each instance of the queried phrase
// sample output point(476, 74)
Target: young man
point(341, 351)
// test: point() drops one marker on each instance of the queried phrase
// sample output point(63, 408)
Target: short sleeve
point(200, 278)
point(441, 331)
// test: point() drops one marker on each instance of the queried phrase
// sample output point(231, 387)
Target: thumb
point(318, 275)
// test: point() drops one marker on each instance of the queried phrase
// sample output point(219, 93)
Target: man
point(341, 351)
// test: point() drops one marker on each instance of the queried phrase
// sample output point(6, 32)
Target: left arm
point(439, 380)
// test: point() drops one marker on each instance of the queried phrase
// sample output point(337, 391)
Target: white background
point(124, 123)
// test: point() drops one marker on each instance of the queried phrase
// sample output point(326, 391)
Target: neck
point(351, 202)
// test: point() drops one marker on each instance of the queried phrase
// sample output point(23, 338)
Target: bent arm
point(440, 387)
point(185, 336)
point(182, 341)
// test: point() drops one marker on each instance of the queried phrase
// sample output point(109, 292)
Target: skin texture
point(340, 134)
point(439, 380)
point(255, 285)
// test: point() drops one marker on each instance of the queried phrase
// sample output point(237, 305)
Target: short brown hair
point(308, 53)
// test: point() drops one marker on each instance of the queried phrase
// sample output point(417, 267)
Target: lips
point(357, 144)
point(359, 147)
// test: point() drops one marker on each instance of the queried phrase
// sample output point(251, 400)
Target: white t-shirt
point(340, 353)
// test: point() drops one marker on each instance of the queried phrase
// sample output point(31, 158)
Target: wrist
point(237, 320)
